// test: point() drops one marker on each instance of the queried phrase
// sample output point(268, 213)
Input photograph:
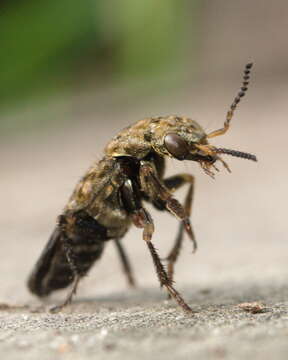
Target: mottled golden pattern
point(94, 194)
point(137, 139)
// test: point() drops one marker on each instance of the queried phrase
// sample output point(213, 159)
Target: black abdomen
point(76, 243)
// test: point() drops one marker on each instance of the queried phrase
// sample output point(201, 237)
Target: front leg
point(158, 193)
point(142, 219)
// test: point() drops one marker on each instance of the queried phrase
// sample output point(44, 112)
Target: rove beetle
point(109, 199)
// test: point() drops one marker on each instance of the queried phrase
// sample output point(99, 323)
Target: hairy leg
point(158, 192)
point(142, 219)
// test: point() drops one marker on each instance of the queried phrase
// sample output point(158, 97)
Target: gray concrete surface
point(240, 222)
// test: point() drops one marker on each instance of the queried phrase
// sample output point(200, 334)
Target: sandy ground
point(240, 222)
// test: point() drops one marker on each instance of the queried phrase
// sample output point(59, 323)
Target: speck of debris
point(253, 307)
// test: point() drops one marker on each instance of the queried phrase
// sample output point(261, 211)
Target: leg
point(81, 243)
point(125, 263)
point(68, 300)
point(142, 219)
point(164, 279)
point(158, 192)
point(70, 256)
point(173, 183)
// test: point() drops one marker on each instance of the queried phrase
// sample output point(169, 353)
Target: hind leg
point(68, 300)
point(75, 245)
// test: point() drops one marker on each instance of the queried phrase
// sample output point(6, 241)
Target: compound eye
point(176, 146)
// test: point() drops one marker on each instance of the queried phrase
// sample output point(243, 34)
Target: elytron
point(109, 199)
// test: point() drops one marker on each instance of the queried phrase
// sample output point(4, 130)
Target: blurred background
point(74, 73)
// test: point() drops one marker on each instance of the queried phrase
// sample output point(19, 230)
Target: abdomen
point(72, 249)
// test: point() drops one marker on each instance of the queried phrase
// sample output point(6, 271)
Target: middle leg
point(173, 183)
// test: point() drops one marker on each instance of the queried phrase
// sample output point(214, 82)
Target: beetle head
point(184, 139)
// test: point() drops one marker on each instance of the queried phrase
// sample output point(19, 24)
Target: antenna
point(236, 153)
point(230, 113)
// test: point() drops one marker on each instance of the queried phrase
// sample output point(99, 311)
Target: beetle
point(109, 199)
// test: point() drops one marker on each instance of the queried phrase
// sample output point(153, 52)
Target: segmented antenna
point(236, 153)
point(241, 93)
point(230, 113)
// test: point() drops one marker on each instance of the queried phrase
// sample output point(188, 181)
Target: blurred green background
point(59, 54)
point(54, 47)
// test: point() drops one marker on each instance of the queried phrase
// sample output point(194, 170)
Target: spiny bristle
point(236, 153)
